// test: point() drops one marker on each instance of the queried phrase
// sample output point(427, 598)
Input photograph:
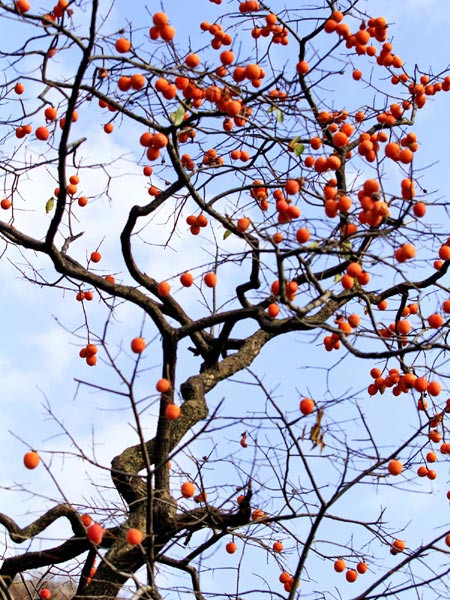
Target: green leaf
point(227, 234)
point(178, 116)
point(299, 149)
point(278, 113)
point(337, 277)
point(49, 205)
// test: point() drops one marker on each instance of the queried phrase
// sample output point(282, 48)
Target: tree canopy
point(209, 205)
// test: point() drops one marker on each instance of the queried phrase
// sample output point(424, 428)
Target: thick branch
point(126, 466)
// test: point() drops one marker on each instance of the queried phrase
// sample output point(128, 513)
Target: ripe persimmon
point(186, 279)
point(354, 269)
point(403, 326)
point(292, 187)
point(42, 133)
point(50, 113)
point(138, 345)
point(227, 57)
point(307, 406)
point(192, 60)
point(153, 154)
point(291, 290)
point(137, 81)
point(302, 67)
point(163, 288)
point(231, 547)
point(431, 457)
point(95, 533)
point(86, 520)
point(172, 412)
point(354, 320)
point(395, 467)
point(435, 320)
point(351, 575)
point(277, 547)
point(6, 203)
point(201, 220)
point(340, 139)
point(159, 140)
point(347, 282)
point(134, 536)
point(31, 459)
point(422, 471)
point(22, 6)
point(421, 384)
point(330, 26)
point(288, 585)
point(392, 150)
point(405, 252)
point(91, 350)
point(340, 565)
point(154, 33)
point(434, 388)
point(210, 279)
point(344, 203)
point(187, 489)
point(124, 83)
point(398, 546)
point(444, 252)
point(252, 71)
point(123, 45)
point(333, 162)
point(96, 257)
point(167, 33)
point(285, 576)
point(303, 235)
point(273, 310)
point(146, 140)
point(434, 436)
point(243, 224)
point(45, 594)
point(161, 84)
point(258, 515)
point(162, 385)
point(160, 19)
point(362, 567)
point(277, 237)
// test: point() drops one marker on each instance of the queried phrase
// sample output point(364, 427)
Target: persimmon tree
point(281, 197)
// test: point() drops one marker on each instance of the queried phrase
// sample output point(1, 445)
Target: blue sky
point(42, 328)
